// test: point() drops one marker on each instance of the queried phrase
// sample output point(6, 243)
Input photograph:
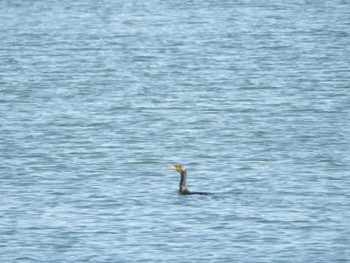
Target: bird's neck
point(183, 185)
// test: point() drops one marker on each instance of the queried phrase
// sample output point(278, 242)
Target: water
point(97, 97)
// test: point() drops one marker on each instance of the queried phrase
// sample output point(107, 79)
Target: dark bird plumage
point(183, 189)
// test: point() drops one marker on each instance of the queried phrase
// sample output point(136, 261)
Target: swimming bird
point(183, 189)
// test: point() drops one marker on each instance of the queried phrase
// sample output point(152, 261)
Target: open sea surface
point(98, 97)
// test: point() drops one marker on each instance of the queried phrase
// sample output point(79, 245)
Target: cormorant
point(183, 186)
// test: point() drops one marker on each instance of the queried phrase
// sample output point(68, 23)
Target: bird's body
point(183, 189)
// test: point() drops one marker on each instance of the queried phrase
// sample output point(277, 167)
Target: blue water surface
point(97, 97)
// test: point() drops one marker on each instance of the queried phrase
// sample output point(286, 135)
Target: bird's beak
point(173, 166)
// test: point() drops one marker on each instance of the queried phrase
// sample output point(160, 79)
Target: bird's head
point(178, 168)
